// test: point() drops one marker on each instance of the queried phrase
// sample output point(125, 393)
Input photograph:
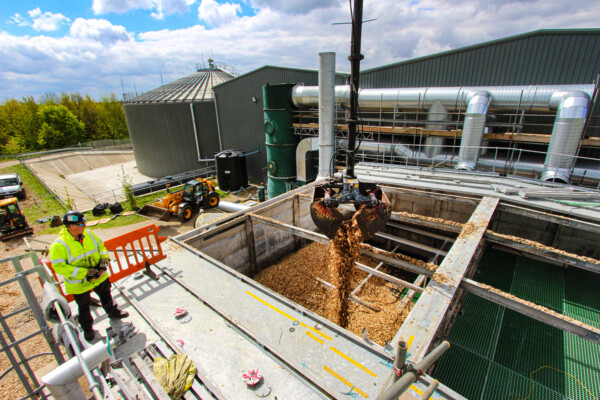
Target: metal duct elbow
point(472, 134)
point(307, 159)
point(566, 134)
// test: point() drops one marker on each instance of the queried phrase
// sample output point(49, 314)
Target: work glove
point(103, 264)
point(92, 273)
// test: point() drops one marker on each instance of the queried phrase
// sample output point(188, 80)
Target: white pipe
point(62, 381)
point(326, 112)
point(232, 207)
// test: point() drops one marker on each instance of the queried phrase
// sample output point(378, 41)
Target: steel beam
point(506, 300)
point(426, 316)
point(388, 277)
point(424, 222)
point(421, 232)
point(410, 243)
point(545, 253)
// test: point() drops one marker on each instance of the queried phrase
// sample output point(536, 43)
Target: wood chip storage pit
point(297, 278)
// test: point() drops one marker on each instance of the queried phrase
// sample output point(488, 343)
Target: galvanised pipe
point(536, 98)
point(326, 112)
point(473, 127)
point(566, 134)
point(411, 376)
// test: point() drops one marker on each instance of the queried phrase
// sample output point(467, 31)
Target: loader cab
point(194, 191)
point(11, 218)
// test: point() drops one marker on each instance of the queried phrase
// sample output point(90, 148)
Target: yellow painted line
point(416, 389)
point(359, 365)
point(275, 309)
point(314, 337)
point(410, 340)
point(320, 333)
point(344, 381)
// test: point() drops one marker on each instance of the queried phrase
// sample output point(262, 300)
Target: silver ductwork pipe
point(305, 153)
point(472, 135)
point(566, 134)
point(536, 98)
point(437, 118)
point(326, 112)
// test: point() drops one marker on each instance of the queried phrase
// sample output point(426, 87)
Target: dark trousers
point(83, 303)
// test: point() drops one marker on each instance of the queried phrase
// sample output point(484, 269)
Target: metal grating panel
point(523, 345)
point(462, 371)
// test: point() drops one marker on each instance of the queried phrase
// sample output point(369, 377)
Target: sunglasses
point(81, 224)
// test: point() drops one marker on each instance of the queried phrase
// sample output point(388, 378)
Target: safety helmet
point(73, 217)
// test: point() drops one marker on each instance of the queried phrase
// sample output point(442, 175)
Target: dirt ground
point(12, 298)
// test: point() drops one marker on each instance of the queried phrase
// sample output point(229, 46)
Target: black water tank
point(231, 170)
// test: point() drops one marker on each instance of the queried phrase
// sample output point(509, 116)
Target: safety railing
point(13, 347)
point(131, 252)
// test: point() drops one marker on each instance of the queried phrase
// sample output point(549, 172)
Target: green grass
point(45, 205)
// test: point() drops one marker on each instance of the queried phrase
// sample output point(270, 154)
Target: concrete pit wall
point(230, 244)
point(562, 237)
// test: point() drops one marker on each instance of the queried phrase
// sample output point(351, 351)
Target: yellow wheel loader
point(196, 194)
point(12, 221)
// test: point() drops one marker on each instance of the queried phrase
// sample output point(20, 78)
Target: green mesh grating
point(504, 384)
point(501, 347)
point(525, 344)
point(462, 371)
point(476, 326)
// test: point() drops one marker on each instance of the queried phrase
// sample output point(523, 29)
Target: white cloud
point(99, 30)
point(18, 20)
point(95, 54)
point(159, 8)
point(215, 14)
point(297, 6)
point(47, 21)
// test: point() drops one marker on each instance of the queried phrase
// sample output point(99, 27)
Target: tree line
point(59, 121)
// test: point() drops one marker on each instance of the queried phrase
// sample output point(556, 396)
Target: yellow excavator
point(12, 221)
point(196, 194)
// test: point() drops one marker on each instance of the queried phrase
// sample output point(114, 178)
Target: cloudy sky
point(90, 46)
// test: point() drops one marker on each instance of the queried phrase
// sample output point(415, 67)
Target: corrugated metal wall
point(162, 136)
point(240, 107)
point(540, 57)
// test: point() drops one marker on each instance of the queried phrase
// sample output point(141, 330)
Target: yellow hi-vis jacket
point(72, 259)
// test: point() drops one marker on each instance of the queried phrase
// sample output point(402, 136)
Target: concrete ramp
point(87, 178)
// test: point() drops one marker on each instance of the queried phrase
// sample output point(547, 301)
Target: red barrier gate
point(131, 253)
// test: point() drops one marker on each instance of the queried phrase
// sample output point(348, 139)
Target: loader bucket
point(327, 219)
point(155, 212)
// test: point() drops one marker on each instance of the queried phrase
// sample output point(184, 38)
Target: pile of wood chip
point(295, 277)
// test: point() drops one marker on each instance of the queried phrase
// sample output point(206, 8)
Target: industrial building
point(484, 277)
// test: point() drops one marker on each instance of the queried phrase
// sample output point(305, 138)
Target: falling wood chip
point(92, 223)
point(126, 213)
point(104, 220)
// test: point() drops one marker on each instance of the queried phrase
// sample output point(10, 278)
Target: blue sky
point(90, 46)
